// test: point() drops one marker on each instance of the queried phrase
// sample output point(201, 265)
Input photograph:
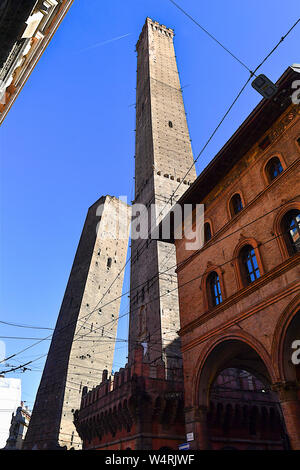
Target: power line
point(26, 326)
point(170, 199)
point(78, 365)
point(212, 37)
point(252, 73)
point(276, 46)
point(202, 150)
point(21, 366)
point(179, 265)
point(210, 244)
point(209, 140)
point(228, 111)
point(200, 276)
point(187, 173)
point(221, 122)
point(108, 290)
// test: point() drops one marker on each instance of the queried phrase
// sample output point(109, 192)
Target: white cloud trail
point(99, 44)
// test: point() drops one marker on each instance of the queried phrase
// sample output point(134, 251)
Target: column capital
point(287, 391)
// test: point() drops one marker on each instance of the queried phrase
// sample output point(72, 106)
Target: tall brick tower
point(83, 340)
point(163, 156)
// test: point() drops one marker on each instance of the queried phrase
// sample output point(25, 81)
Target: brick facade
point(136, 409)
point(253, 326)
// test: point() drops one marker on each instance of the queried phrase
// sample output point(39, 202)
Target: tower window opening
point(109, 261)
point(170, 124)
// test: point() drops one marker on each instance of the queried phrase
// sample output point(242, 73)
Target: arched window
point(214, 289)
point(109, 261)
point(207, 232)
point(236, 204)
point(249, 266)
point(291, 230)
point(170, 124)
point(273, 168)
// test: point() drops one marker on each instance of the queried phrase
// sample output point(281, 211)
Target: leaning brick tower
point(84, 337)
point(163, 155)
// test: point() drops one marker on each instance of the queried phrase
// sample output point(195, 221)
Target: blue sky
point(69, 137)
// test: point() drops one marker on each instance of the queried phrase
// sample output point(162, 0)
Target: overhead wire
point(178, 266)
point(188, 282)
point(200, 153)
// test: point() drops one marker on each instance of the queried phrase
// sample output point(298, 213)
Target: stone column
point(290, 405)
point(196, 422)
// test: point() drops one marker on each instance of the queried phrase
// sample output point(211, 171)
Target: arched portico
point(286, 355)
point(234, 351)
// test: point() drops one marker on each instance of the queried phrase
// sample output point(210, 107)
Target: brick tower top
point(161, 28)
point(163, 145)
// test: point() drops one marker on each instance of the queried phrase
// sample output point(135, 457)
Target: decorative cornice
point(256, 126)
point(34, 54)
point(251, 157)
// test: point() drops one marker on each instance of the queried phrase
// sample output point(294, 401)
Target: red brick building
point(135, 409)
point(239, 294)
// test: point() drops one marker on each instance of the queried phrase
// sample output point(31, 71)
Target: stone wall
point(84, 337)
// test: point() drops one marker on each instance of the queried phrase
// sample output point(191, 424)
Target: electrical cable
point(179, 265)
point(202, 150)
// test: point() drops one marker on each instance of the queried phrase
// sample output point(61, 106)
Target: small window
point(214, 289)
point(236, 204)
point(298, 141)
point(273, 168)
point(207, 232)
point(109, 261)
point(291, 230)
point(170, 124)
point(250, 269)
